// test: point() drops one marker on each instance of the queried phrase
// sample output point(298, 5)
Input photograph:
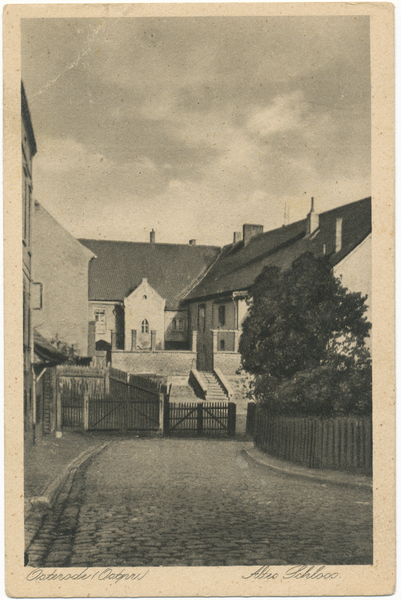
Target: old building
point(171, 308)
point(136, 292)
point(217, 304)
point(60, 266)
point(28, 151)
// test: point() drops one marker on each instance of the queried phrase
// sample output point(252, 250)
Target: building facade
point(136, 293)
point(28, 151)
point(164, 298)
point(217, 304)
point(60, 266)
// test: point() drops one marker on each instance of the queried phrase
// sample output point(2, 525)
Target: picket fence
point(343, 443)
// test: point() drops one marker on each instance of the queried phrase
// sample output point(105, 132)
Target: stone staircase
point(215, 391)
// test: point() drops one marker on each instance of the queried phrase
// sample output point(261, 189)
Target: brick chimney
point(339, 234)
point(312, 221)
point(192, 242)
point(237, 237)
point(152, 236)
point(250, 231)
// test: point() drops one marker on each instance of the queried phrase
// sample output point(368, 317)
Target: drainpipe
point(236, 323)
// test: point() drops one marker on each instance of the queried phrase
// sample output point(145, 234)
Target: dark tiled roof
point(45, 352)
point(237, 267)
point(171, 269)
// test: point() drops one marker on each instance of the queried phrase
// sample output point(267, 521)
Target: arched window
point(145, 326)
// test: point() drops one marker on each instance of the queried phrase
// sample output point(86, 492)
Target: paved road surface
point(200, 502)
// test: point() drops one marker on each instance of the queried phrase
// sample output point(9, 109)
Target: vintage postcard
point(199, 378)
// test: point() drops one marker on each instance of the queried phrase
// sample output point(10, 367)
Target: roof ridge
point(148, 243)
point(232, 270)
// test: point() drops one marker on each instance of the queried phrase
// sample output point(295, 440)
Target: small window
point(222, 315)
point(100, 320)
point(174, 325)
point(145, 326)
point(180, 324)
point(222, 345)
point(145, 297)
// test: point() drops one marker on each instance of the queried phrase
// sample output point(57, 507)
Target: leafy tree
point(304, 341)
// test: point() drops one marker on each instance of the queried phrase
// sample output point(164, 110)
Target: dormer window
point(145, 326)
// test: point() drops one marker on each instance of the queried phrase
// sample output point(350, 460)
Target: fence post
point(194, 340)
point(199, 423)
point(133, 340)
point(162, 399)
point(107, 382)
point(153, 340)
point(58, 412)
point(86, 412)
point(166, 415)
point(250, 418)
point(232, 409)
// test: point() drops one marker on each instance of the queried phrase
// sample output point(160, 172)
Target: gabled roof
point(171, 269)
point(237, 267)
point(46, 228)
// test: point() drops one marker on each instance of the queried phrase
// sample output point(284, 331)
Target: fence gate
point(134, 403)
point(72, 384)
point(203, 418)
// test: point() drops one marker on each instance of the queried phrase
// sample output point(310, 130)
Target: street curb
point(54, 487)
point(334, 477)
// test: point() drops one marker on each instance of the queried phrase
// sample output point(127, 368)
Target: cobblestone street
point(150, 502)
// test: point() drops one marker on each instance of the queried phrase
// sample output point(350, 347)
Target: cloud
point(217, 119)
point(287, 112)
point(62, 155)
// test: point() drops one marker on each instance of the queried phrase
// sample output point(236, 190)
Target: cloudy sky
point(194, 126)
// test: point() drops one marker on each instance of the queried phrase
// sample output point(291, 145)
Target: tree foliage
point(304, 342)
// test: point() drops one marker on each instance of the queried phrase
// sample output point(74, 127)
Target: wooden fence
point(107, 399)
point(73, 382)
point(343, 443)
point(134, 403)
point(202, 418)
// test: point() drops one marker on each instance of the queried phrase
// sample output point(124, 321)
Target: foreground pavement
point(152, 502)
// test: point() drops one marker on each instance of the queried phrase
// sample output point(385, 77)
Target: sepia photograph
point(197, 295)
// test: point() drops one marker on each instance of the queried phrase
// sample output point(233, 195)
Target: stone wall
point(160, 363)
point(181, 391)
point(239, 388)
point(227, 362)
